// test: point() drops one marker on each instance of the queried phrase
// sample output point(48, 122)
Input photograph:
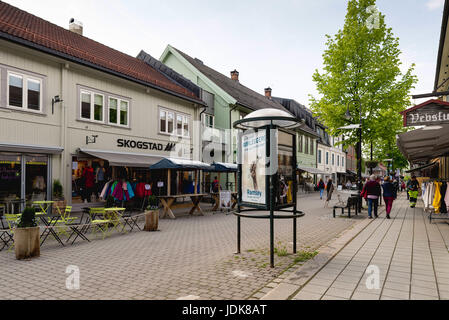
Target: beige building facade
point(102, 118)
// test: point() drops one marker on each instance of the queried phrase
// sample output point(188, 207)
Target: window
point(92, 106)
point(163, 121)
point(306, 145)
point(24, 92)
point(312, 152)
point(168, 125)
point(327, 157)
point(333, 159)
point(124, 113)
point(300, 143)
point(342, 161)
point(319, 156)
point(179, 119)
point(208, 121)
point(118, 111)
point(186, 126)
point(170, 118)
point(338, 160)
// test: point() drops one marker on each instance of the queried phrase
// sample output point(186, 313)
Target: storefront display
point(24, 178)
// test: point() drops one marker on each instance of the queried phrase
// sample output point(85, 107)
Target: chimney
point(76, 26)
point(235, 75)
point(268, 92)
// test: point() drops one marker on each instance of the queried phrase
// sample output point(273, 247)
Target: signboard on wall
point(432, 112)
point(253, 148)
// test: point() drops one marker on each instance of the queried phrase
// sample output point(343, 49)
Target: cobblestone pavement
point(189, 257)
point(411, 254)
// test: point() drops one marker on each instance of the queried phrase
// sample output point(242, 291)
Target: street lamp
point(349, 117)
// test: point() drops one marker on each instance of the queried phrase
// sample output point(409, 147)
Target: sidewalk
point(411, 255)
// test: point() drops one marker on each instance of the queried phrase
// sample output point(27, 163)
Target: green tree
point(361, 72)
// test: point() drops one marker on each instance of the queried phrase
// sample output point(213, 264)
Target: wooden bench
point(351, 203)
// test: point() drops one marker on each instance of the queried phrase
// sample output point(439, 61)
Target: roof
point(223, 167)
point(180, 164)
point(444, 26)
point(169, 72)
point(244, 96)
point(26, 29)
point(300, 112)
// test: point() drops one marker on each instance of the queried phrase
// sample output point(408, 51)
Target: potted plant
point(58, 196)
point(371, 164)
point(26, 236)
point(152, 214)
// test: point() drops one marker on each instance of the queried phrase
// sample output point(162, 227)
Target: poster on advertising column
point(253, 167)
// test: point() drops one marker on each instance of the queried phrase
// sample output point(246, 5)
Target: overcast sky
point(271, 43)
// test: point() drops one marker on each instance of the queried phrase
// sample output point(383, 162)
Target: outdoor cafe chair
point(6, 236)
point(12, 220)
point(65, 220)
point(98, 224)
point(130, 220)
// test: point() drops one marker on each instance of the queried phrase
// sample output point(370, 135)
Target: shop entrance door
point(36, 173)
point(10, 182)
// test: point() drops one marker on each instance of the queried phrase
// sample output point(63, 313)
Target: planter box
point(151, 220)
point(27, 243)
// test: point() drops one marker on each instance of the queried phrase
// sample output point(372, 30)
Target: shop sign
point(430, 113)
point(142, 145)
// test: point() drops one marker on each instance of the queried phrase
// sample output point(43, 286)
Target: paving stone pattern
point(411, 254)
point(189, 257)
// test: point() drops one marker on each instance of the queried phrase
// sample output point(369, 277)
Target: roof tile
point(21, 24)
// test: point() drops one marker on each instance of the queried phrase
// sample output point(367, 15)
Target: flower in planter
point(153, 203)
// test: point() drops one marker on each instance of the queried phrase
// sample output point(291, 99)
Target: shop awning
point(427, 166)
point(351, 173)
point(424, 144)
point(122, 159)
point(180, 164)
point(311, 170)
point(29, 148)
point(223, 167)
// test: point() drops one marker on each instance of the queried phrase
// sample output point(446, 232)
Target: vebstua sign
point(432, 112)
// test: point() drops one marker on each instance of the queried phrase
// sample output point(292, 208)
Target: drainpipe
point(230, 141)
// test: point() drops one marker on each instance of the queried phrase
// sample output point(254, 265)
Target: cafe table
point(115, 215)
point(168, 202)
point(43, 205)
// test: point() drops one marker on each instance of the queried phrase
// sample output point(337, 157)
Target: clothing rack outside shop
point(436, 198)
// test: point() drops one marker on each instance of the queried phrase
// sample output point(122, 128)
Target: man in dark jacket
point(371, 192)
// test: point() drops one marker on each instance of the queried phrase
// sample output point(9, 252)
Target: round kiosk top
point(266, 117)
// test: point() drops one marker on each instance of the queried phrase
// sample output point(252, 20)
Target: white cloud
point(434, 4)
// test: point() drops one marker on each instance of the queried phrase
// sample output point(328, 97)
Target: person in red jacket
point(89, 182)
point(371, 191)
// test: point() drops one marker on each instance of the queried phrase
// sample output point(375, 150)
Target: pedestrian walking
point(390, 194)
point(413, 191)
point(330, 190)
point(321, 187)
point(371, 191)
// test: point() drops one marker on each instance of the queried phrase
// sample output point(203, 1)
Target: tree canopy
point(362, 72)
